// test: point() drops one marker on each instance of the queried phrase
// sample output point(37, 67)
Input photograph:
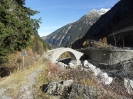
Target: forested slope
point(18, 30)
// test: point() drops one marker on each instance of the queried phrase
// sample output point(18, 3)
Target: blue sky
point(57, 13)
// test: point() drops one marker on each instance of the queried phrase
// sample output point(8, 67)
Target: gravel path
point(27, 90)
point(2, 96)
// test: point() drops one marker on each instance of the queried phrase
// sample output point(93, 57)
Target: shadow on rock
point(44, 87)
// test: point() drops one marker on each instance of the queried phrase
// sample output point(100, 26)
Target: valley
point(90, 58)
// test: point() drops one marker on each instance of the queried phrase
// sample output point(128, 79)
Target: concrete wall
point(96, 55)
point(107, 56)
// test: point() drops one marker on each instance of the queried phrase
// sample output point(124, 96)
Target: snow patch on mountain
point(95, 12)
point(103, 11)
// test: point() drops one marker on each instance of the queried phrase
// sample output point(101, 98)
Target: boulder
point(101, 76)
point(97, 71)
point(72, 66)
point(56, 88)
point(104, 78)
point(66, 89)
point(128, 83)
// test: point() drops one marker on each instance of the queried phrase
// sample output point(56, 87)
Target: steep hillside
point(67, 34)
point(18, 31)
point(119, 17)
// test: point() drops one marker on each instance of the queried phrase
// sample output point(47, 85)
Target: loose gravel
point(27, 90)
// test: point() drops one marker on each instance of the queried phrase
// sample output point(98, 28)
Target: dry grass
point(80, 76)
point(53, 73)
point(15, 60)
point(64, 55)
point(49, 73)
point(40, 80)
point(118, 88)
point(101, 45)
point(18, 78)
point(54, 70)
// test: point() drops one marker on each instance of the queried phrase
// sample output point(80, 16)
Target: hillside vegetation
point(18, 31)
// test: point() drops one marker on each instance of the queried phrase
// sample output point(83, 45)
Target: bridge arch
point(75, 55)
point(72, 58)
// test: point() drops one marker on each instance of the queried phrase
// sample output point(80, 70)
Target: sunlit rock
point(71, 65)
point(61, 65)
point(101, 76)
point(97, 71)
point(56, 88)
point(128, 85)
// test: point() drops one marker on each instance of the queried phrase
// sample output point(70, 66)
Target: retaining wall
point(108, 56)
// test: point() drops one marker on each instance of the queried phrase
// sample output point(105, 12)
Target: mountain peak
point(69, 33)
point(103, 11)
point(97, 12)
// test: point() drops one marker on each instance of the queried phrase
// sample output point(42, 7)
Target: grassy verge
point(17, 79)
point(43, 78)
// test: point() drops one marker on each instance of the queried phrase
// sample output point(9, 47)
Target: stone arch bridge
point(56, 53)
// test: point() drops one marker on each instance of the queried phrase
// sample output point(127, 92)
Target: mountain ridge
point(117, 18)
point(71, 32)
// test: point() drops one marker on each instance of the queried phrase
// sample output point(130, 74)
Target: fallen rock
point(104, 78)
point(72, 66)
point(85, 92)
point(68, 90)
point(101, 76)
point(56, 88)
point(128, 83)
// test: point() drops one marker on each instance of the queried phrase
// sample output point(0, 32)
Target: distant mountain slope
point(119, 17)
point(67, 34)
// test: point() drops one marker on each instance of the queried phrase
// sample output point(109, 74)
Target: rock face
point(85, 92)
point(128, 83)
point(66, 90)
point(117, 18)
point(56, 88)
point(69, 90)
point(67, 34)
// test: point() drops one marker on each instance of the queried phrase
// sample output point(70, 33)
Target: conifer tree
point(16, 26)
